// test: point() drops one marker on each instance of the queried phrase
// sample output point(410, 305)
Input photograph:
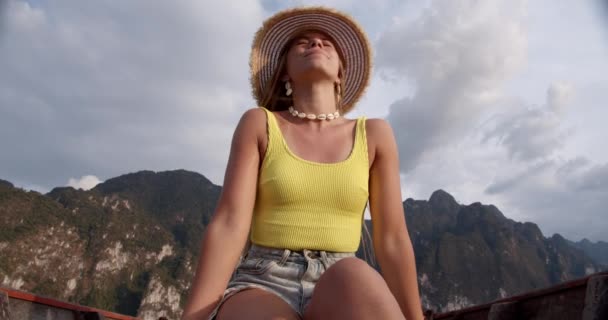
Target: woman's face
point(313, 56)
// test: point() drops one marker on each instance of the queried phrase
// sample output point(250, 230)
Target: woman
point(297, 182)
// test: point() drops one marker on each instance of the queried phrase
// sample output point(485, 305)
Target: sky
point(498, 101)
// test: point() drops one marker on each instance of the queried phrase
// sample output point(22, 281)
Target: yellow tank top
point(303, 204)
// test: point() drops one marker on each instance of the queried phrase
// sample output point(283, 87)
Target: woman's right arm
point(226, 234)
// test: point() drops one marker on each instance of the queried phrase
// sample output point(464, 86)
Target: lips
point(314, 51)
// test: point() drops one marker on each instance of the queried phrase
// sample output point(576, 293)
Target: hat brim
point(278, 30)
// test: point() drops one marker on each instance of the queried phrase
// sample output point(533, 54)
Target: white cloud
point(85, 182)
point(462, 128)
point(121, 87)
point(457, 55)
point(23, 16)
point(496, 101)
point(567, 197)
point(559, 95)
point(533, 133)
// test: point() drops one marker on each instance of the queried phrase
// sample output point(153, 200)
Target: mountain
point(472, 254)
point(4, 183)
point(598, 251)
point(130, 245)
point(127, 245)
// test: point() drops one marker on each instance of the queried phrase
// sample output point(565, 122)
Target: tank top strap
point(361, 141)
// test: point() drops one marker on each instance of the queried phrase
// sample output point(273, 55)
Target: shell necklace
point(322, 116)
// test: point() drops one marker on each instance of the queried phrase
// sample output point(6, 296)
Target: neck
point(315, 98)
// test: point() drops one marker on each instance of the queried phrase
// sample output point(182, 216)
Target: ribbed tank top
point(302, 204)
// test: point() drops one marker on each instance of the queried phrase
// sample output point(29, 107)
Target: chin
point(318, 70)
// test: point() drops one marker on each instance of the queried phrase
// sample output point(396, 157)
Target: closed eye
point(300, 39)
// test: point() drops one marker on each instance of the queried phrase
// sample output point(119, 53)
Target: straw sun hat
point(276, 32)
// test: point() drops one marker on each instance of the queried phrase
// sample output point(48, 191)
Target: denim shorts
point(291, 275)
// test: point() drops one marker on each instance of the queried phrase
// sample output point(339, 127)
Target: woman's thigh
point(256, 304)
point(351, 289)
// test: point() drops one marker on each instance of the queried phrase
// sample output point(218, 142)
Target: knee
point(350, 272)
point(351, 289)
point(352, 264)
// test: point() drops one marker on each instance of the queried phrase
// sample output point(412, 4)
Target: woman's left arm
point(392, 243)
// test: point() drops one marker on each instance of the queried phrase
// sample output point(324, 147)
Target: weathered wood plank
point(5, 311)
point(27, 310)
point(89, 315)
point(596, 298)
point(504, 311)
point(565, 305)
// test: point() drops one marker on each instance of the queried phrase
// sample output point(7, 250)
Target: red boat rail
point(580, 299)
point(19, 305)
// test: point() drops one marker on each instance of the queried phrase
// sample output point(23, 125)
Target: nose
point(316, 42)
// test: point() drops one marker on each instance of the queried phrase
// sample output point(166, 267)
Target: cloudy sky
point(498, 101)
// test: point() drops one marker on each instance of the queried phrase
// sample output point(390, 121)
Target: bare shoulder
point(253, 122)
point(378, 128)
point(254, 115)
point(380, 137)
